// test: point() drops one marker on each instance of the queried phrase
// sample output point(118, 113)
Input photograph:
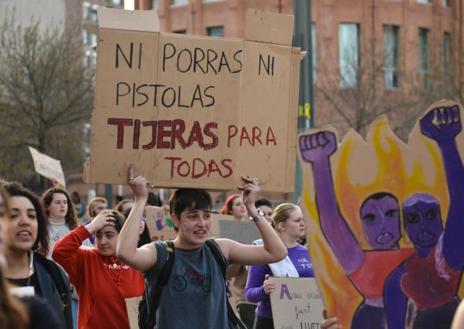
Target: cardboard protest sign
point(132, 307)
point(194, 111)
point(296, 304)
point(226, 226)
point(47, 167)
point(159, 223)
point(385, 219)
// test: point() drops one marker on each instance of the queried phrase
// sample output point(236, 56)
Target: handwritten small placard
point(47, 166)
point(132, 306)
point(296, 304)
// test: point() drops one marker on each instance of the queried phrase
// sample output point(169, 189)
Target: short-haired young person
point(195, 295)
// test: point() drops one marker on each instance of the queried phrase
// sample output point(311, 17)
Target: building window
point(90, 59)
point(424, 56)
point(215, 31)
point(155, 4)
point(446, 3)
point(86, 11)
point(206, 1)
point(423, 1)
point(93, 13)
point(117, 2)
point(179, 2)
point(180, 31)
point(349, 42)
point(313, 51)
point(85, 37)
point(447, 53)
point(93, 40)
point(391, 55)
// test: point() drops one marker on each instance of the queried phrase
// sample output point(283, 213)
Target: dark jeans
point(246, 311)
point(369, 317)
point(264, 323)
point(436, 318)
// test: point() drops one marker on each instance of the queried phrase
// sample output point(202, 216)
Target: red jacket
point(101, 284)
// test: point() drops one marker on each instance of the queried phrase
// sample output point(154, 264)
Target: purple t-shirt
point(254, 291)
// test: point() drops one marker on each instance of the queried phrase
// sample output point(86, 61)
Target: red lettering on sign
point(270, 137)
point(120, 123)
point(231, 133)
point(227, 163)
point(207, 130)
point(195, 134)
point(256, 134)
point(195, 172)
point(178, 128)
point(163, 132)
point(152, 143)
point(173, 166)
point(198, 168)
point(135, 143)
point(252, 136)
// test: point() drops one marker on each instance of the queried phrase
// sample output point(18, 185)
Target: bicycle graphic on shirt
point(194, 278)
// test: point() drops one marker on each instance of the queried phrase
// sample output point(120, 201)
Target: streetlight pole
point(302, 38)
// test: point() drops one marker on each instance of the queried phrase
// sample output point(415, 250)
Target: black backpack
point(152, 293)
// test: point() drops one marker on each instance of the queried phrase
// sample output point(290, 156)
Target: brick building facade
point(397, 45)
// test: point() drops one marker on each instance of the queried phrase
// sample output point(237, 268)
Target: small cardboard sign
point(159, 223)
point(225, 226)
point(296, 304)
point(48, 167)
point(132, 307)
point(194, 111)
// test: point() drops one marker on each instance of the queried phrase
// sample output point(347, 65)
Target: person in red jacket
point(102, 281)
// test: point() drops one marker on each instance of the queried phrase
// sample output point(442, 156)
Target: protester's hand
point(268, 284)
point(55, 183)
point(250, 191)
point(138, 184)
point(330, 323)
point(104, 218)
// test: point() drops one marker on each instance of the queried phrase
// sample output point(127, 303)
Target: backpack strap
point(222, 262)
point(166, 270)
point(153, 292)
point(218, 255)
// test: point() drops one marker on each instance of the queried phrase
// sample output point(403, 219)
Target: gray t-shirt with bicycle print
point(195, 295)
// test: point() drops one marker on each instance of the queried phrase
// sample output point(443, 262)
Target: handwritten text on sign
point(296, 304)
point(181, 108)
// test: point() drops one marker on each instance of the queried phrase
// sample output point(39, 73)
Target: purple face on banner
point(422, 219)
point(380, 217)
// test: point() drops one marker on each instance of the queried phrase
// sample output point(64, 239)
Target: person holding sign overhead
point(195, 293)
point(289, 224)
